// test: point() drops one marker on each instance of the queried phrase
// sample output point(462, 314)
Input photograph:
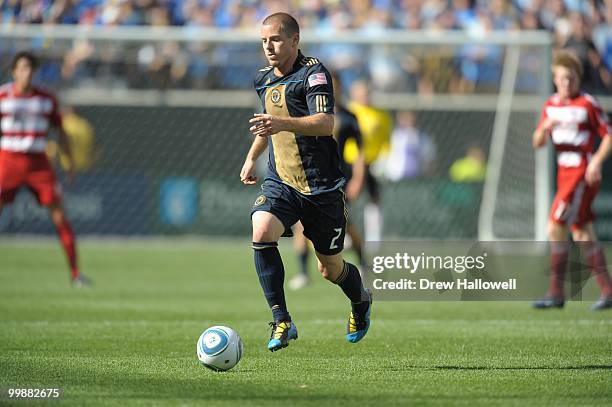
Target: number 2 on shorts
point(333, 244)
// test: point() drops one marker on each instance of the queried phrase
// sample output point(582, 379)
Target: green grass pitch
point(130, 340)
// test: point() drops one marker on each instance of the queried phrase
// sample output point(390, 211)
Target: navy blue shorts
point(323, 216)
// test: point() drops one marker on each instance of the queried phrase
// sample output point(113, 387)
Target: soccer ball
point(219, 348)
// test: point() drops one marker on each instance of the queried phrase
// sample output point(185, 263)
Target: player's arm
point(64, 141)
point(319, 93)
point(64, 144)
point(355, 185)
point(593, 172)
point(319, 124)
point(248, 169)
point(602, 126)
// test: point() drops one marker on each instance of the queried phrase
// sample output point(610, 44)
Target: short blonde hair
point(567, 60)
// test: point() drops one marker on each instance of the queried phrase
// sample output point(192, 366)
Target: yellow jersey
point(376, 126)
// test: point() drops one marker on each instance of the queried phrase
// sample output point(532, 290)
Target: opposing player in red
point(573, 120)
point(27, 113)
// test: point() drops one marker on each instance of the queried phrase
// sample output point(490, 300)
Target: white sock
point(373, 222)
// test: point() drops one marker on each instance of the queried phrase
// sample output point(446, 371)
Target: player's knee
point(556, 232)
point(266, 227)
point(265, 232)
point(57, 214)
point(329, 271)
point(550, 233)
point(325, 272)
point(262, 234)
point(581, 235)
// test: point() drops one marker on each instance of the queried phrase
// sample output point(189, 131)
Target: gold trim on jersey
point(307, 61)
point(346, 209)
point(321, 103)
point(286, 153)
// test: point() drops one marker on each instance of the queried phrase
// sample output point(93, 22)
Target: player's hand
point(593, 172)
point(549, 124)
point(246, 174)
point(264, 125)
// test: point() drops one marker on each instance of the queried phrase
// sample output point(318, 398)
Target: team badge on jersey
point(260, 200)
point(275, 96)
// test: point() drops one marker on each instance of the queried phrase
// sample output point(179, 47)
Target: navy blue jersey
point(308, 164)
point(346, 128)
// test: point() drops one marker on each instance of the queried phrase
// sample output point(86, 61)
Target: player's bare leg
point(594, 255)
point(68, 242)
point(559, 253)
point(357, 241)
point(267, 229)
point(330, 267)
point(346, 275)
point(302, 249)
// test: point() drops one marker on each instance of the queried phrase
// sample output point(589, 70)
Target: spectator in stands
point(470, 168)
point(412, 151)
point(501, 14)
point(602, 36)
point(571, 22)
point(481, 63)
point(579, 42)
point(553, 15)
point(530, 63)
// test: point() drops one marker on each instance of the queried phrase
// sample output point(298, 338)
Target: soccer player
point(376, 127)
point(27, 113)
point(573, 119)
point(346, 128)
point(303, 182)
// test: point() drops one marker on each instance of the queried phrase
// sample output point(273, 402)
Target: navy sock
point(271, 273)
point(303, 256)
point(350, 283)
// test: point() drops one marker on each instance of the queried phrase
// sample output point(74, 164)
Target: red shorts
point(572, 203)
point(31, 170)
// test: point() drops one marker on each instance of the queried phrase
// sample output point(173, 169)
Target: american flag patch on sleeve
point(317, 79)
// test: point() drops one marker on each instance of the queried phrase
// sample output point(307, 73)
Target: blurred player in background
point(345, 128)
point(81, 138)
point(27, 113)
point(573, 119)
point(376, 126)
point(304, 181)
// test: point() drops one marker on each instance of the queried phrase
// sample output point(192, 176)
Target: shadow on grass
point(585, 367)
point(96, 383)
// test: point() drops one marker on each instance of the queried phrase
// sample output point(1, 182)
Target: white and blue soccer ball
point(219, 348)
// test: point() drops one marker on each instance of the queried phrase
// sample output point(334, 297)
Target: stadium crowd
point(582, 25)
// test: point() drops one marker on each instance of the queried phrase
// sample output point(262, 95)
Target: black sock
point(303, 256)
point(271, 273)
point(350, 283)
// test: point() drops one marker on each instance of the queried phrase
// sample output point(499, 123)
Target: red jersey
point(580, 120)
point(25, 119)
